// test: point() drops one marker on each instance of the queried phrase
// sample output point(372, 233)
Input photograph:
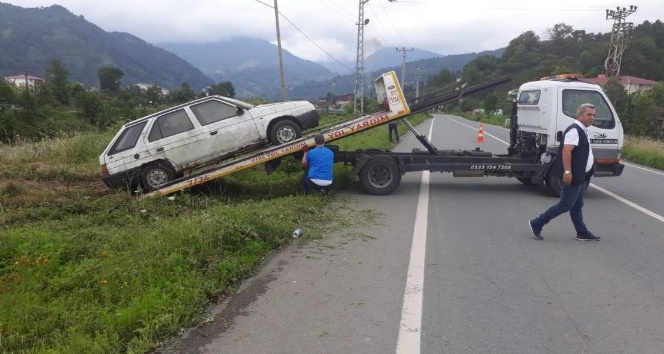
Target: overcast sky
point(326, 30)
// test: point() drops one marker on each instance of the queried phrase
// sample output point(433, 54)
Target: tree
point(109, 78)
point(223, 88)
point(444, 78)
point(90, 107)
point(7, 95)
point(154, 95)
point(182, 94)
point(56, 81)
point(559, 32)
point(26, 100)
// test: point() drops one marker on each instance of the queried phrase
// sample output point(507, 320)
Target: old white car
point(158, 148)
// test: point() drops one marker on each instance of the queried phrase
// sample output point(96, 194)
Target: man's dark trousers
point(571, 199)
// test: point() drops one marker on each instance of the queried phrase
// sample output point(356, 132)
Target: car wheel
point(155, 175)
point(284, 131)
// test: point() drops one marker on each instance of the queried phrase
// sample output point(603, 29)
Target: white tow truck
point(540, 113)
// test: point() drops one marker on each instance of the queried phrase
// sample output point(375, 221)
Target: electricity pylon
point(359, 63)
point(619, 36)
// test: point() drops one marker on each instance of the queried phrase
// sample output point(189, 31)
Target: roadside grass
point(85, 269)
point(644, 151)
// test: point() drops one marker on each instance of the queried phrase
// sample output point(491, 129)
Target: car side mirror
point(559, 136)
point(239, 111)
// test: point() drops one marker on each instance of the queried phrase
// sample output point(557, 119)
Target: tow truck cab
point(547, 107)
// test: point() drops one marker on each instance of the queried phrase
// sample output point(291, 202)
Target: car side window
point(170, 124)
point(213, 111)
point(128, 138)
point(572, 99)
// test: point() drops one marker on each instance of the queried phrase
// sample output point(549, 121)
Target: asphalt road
point(449, 266)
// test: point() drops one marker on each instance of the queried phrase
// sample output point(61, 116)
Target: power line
point(348, 15)
point(307, 37)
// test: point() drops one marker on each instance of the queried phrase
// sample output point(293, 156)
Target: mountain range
point(32, 37)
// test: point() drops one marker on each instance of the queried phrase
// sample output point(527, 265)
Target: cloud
point(311, 28)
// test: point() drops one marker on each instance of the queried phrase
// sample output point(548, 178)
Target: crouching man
point(317, 163)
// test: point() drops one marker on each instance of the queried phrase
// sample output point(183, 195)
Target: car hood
point(291, 108)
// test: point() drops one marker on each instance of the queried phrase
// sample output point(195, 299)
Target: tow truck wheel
point(554, 184)
point(526, 180)
point(284, 131)
point(156, 174)
point(380, 175)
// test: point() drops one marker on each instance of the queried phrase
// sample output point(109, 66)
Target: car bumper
point(309, 120)
point(122, 179)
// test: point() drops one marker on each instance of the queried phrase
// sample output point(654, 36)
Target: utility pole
point(619, 37)
point(359, 63)
point(417, 83)
point(281, 60)
point(403, 65)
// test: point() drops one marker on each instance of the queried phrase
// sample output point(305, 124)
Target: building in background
point(632, 84)
point(21, 80)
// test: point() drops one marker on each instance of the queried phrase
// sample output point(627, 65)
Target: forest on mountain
point(31, 38)
point(567, 50)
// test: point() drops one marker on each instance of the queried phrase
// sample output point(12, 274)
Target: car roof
point(229, 100)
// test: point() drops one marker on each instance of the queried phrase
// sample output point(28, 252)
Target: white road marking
point(610, 194)
point(643, 168)
point(633, 205)
point(410, 329)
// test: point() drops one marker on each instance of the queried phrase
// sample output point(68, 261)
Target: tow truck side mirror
point(559, 136)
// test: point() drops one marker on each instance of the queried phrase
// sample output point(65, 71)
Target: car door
point(174, 137)
point(229, 127)
point(125, 154)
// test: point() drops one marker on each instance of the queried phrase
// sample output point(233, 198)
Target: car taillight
point(104, 171)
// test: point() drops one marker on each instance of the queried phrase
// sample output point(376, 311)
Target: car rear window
point(128, 138)
point(170, 124)
point(213, 111)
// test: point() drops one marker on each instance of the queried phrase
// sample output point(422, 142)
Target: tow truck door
point(606, 132)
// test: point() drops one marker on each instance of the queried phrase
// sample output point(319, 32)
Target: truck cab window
point(529, 97)
point(572, 99)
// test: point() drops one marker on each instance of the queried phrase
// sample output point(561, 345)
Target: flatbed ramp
point(388, 92)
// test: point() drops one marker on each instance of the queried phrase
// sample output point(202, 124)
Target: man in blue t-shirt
point(318, 164)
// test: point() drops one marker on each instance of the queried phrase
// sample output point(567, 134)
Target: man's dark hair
point(319, 139)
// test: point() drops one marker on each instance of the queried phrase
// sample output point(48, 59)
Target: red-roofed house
point(20, 80)
point(632, 84)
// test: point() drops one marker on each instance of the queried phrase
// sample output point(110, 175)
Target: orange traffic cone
point(480, 134)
